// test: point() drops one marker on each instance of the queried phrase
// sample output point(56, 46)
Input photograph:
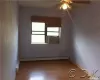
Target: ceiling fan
point(67, 4)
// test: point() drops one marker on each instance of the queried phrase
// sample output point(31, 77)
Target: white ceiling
point(38, 3)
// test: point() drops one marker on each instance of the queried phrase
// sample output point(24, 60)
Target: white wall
point(0, 37)
point(87, 36)
point(31, 51)
point(9, 30)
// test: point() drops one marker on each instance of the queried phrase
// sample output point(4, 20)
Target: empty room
point(49, 40)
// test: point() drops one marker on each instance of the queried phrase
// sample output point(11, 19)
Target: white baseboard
point(44, 58)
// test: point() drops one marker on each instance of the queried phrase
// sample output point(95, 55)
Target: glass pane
point(38, 32)
point(37, 39)
point(52, 28)
point(38, 26)
point(52, 34)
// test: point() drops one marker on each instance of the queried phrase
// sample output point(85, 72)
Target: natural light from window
point(53, 31)
point(38, 26)
point(38, 39)
point(40, 33)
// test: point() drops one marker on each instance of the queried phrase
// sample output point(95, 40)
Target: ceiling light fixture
point(65, 4)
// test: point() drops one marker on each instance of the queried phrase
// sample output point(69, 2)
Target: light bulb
point(64, 6)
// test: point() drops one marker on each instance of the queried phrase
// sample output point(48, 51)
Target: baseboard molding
point(45, 58)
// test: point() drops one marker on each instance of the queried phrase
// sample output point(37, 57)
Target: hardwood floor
point(49, 70)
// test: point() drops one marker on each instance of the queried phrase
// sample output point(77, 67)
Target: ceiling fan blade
point(81, 1)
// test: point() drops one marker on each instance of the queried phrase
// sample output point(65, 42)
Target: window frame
point(45, 33)
point(37, 31)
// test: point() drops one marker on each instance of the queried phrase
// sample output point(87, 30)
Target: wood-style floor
point(49, 70)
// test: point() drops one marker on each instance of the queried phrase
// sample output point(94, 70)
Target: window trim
point(45, 33)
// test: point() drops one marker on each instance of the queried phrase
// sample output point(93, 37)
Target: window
point(45, 30)
point(38, 33)
point(53, 31)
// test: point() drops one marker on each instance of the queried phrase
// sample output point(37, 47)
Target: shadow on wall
point(86, 39)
